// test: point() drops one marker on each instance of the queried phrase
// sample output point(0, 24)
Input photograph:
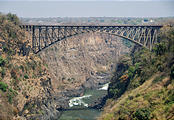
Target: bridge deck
point(95, 25)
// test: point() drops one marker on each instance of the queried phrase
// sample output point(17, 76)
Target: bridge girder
point(45, 35)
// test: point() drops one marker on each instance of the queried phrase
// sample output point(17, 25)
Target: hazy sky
point(88, 8)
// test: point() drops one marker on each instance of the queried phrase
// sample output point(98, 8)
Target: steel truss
point(45, 35)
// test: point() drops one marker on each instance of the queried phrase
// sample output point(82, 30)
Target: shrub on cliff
point(2, 61)
point(3, 86)
point(131, 71)
point(172, 72)
point(142, 114)
point(11, 94)
point(13, 18)
point(160, 48)
point(2, 71)
point(118, 86)
point(10, 32)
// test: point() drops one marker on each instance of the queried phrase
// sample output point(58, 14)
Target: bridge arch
point(44, 36)
point(129, 39)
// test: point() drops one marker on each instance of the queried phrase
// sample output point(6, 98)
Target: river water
point(78, 106)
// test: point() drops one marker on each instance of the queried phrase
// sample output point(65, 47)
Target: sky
point(88, 8)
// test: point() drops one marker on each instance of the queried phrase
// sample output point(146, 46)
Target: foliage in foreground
point(20, 76)
point(142, 87)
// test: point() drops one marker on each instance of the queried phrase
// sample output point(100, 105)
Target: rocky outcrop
point(96, 81)
point(99, 103)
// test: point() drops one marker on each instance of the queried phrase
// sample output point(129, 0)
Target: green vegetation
point(13, 18)
point(142, 114)
point(17, 73)
point(11, 94)
point(3, 86)
point(11, 33)
point(26, 76)
point(2, 61)
point(2, 71)
point(143, 83)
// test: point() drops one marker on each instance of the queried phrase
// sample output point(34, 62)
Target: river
point(78, 106)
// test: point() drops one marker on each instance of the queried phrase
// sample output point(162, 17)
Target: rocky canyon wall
point(75, 61)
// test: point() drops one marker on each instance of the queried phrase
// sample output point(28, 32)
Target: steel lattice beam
point(45, 35)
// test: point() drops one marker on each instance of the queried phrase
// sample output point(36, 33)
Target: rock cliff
point(81, 62)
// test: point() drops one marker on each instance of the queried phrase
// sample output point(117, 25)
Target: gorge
point(81, 63)
point(87, 76)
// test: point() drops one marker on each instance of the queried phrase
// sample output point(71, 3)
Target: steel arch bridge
point(44, 36)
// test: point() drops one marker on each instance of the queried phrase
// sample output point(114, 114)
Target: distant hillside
point(97, 20)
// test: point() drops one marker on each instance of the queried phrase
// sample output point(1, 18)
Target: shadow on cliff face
point(78, 60)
